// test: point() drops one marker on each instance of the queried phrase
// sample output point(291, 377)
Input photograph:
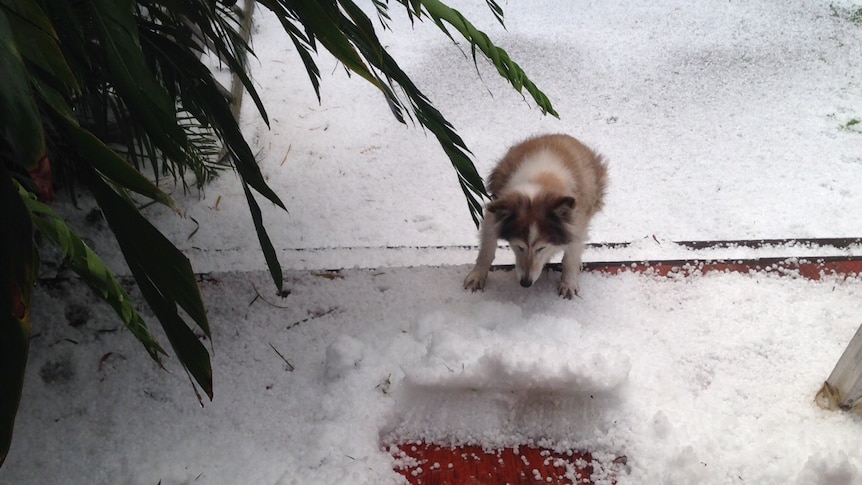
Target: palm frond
point(164, 276)
point(506, 67)
point(16, 100)
point(107, 90)
point(84, 262)
point(17, 274)
point(344, 29)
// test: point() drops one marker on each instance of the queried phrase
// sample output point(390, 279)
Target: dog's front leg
point(571, 268)
point(487, 249)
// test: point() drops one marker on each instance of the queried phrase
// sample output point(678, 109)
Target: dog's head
point(536, 227)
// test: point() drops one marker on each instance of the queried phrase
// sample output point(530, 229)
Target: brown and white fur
point(543, 194)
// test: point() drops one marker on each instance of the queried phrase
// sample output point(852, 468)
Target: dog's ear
point(563, 207)
point(505, 209)
point(501, 208)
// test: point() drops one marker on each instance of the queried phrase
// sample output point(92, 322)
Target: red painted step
point(424, 464)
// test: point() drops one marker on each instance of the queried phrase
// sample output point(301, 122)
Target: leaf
point(506, 67)
point(361, 35)
point(114, 167)
point(86, 264)
point(265, 243)
point(429, 117)
point(208, 99)
point(37, 40)
point(316, 19)
point(190, 351)
point(20, 123)
point(232, 49)
point(357, 30)
point(148, 102)
point(303, 43)
point(164, 276)
point(497, 11)
point(14, 338)
point(18, 263)
point(103, 159)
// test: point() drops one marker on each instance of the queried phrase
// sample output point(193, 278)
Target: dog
point(544, 192)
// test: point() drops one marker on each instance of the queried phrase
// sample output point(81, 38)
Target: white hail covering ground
point(721, 120)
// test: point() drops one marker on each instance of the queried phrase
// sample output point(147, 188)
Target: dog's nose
point(526, 282)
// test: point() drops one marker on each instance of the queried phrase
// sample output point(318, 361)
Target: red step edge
point(809, 268)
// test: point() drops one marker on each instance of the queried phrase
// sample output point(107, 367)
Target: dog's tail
point(601, 168)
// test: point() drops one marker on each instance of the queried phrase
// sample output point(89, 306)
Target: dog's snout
point(526, 282)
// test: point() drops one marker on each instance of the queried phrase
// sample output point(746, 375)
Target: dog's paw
point(568, 290)
point(475, 280)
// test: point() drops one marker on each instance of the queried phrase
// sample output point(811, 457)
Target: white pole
point(843, 389)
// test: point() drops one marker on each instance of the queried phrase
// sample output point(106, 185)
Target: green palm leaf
point(18, 262)
point(86, 264)
point(345, 30)
point(100, 89)
point(506, 67)
point(165, 277)
point(19, 116)
point(37, 40)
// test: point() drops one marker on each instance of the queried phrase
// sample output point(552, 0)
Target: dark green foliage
point(113, 95)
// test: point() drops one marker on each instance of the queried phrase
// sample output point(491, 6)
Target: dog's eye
point(540, 249)
point(519, 248)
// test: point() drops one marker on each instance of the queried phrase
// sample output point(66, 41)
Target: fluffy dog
point(543, 194)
